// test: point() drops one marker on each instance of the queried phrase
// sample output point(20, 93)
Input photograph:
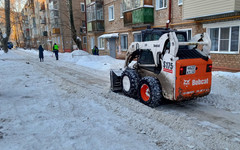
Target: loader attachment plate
point(115, 79)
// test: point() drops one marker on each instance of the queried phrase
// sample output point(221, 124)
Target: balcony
point(139, 12)
point(53, 5)
point(43, 21)
point(196, 9)
point(89, 2)
point(56, 31)
point(42, 6)
point(95, 26)
point(95, 18)
point(54, 14)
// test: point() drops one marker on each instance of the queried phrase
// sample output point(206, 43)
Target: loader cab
point(155, 33)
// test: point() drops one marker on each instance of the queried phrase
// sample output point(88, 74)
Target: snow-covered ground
point(67, 104)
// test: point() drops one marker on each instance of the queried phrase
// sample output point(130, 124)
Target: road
point(82, 96)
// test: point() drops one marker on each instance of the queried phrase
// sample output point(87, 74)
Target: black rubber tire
point(133, 77)
point(155, 91)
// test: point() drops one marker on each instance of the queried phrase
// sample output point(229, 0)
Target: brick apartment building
point(47, 22)
point(124, 20)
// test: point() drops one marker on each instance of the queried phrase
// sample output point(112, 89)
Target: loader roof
point(155, 33)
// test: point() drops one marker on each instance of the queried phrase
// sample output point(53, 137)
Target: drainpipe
point(169, 14)
point(85, 23)
point(85, 15)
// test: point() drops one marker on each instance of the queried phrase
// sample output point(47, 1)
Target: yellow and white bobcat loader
point(170, 67)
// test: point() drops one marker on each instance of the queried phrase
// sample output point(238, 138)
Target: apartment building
point(221, 19)
point(47, 22)
point(95, 23)
point(124, 20)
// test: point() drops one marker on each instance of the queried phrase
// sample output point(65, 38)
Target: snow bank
point(100, 62)
point(80, 57)
point(1, 52)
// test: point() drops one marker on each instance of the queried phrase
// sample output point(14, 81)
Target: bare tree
point(5, 37)
point(17, 22)
point(75, 38)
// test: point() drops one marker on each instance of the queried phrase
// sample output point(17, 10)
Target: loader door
point(146, 61)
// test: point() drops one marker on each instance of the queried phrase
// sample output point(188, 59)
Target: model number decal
point(167, 67)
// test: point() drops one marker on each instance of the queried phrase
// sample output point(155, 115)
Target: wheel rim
point(145, 92)
point(126, 83)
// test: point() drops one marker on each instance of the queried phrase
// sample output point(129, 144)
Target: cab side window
point(146, 57)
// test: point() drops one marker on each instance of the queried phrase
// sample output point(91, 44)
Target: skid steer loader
point(170, 67)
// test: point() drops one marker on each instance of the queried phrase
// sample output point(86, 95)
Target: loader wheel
point(130, 80)
point(150, 92)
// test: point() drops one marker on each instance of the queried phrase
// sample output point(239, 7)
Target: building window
point(101, 43)
point(160, 4)
point(84, 40)
point(82, 7)
point(189, 33)
point(111, 13)
point(137, 37)
point(180, 2)
point(224, 39)
point(124, 42)
point(83, 23)
point(100, 14)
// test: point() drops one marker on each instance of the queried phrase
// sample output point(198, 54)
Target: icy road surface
point(67, 104)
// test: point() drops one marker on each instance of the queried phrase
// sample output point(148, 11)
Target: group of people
point(54, 49)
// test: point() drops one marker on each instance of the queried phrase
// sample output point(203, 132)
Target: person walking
point(95, 50)
point(41, 57)
point(55, 50)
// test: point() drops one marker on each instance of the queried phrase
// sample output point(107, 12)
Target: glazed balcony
point(54, 14)
point(56, 31)
point(89, 2)
point(195, 9)
point(95, 18)
point(95, 26)
point(42, 6)
point(43, 21)
point(138, 12)
point(53, 5)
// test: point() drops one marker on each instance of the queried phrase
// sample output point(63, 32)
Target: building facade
point(124, 20)
point(47, 22)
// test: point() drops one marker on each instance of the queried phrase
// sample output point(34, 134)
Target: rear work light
point(209, 68)
point(182, 70)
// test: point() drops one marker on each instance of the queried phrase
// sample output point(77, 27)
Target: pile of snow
point(1, 52)
point(100, 62)
point(79, 53)
point(83, 58)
